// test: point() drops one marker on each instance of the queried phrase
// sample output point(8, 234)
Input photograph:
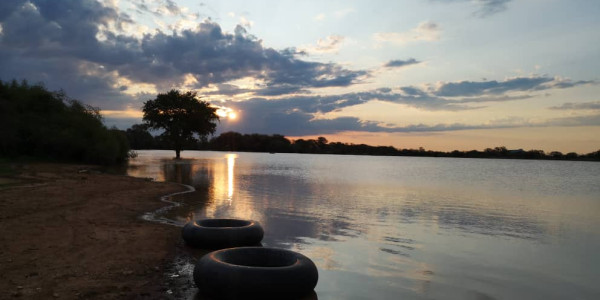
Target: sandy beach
point(69, 232)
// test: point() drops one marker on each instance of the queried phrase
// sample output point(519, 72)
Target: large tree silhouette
point(182, 116)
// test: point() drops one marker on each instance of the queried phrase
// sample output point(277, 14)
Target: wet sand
point(70, 233)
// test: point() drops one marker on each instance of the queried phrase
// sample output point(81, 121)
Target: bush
point(42, 124)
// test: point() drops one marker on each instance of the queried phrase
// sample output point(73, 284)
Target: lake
point(407, 227)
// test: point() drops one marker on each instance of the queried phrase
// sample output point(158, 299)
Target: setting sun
point(225, 112)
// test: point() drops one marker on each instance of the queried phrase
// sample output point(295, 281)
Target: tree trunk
point(177, 151)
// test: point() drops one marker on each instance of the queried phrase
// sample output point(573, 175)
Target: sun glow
point(127, 113)
point(225, 112)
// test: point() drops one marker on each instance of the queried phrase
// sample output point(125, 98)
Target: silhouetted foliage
point(38, 123)
point(140, 138)
point(234, 141)
point(181, 116)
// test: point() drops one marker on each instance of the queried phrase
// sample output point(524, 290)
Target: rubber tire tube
point(222, 233)
point(255, 272)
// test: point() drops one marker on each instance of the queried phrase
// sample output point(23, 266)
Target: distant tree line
point(37, 123)
point(140, 138)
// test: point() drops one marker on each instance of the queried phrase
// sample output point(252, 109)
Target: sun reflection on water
point(230, 175)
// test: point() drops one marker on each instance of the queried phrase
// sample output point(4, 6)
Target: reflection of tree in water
point(202, 174)
point(196, 173)
point(180, 172)
point(188, 171)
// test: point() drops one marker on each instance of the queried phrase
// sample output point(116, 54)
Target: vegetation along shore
point(140, 139)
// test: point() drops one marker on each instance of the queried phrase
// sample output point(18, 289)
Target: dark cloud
point(295, 115)
point(481, 99)
point(56, 28)
point(156, 7)
point(324, 104)
point(493, 87)
point(578, 106)
point(475, 88)
point(8, 6)
point(43, 43)
point(214, 56)
point(401, 63)
point(172, 7)
point(44, 35)
point(413, 91)
point(589, 120)
point(485, 7)
point(300, 124)
point(65, 44)
point(226, 89)
point(280, 89)
point(490, 7)
point(564, 84)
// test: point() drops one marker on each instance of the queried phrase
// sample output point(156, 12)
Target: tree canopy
point(182, 117)
point(42, 124)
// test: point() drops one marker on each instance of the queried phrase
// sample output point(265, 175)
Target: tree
point(140, 138)
point(42, 124)
point(181, 116)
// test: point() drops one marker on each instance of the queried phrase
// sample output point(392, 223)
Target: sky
point(438, 74)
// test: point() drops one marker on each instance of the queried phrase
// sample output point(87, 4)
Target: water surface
point(407, 227)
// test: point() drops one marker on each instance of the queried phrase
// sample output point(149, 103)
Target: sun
point(225, 112)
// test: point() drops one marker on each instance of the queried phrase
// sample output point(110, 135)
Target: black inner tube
point(266, 258)
point(222, 233)
point(255, 273)
point(223, 223)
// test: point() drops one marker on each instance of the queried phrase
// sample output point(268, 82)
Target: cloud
point(343, 12)
point(329, 44)
point(425, 31)
point(81, 36)
point(245, 22)
point(485, 7)
point(227, 90)
point(294, 117)
point(494, 87)
point(401, 63)
point(41, 43)
point(578, 106)
point(320, 17)
point(157, 8)
point(589, 120)
point(490, 7)
point(444, 97)
point(83, 46)
point(297, 115)
point(172, 7)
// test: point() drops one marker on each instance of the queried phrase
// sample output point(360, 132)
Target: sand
point(68, 232)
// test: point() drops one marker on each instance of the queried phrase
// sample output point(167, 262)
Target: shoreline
point(68, 232)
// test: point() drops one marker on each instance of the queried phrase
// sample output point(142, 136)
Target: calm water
point(406, 227)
